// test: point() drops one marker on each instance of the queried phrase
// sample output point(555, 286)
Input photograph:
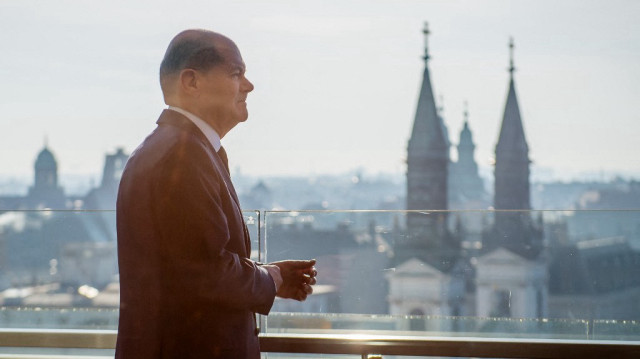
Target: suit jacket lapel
point(179, 120)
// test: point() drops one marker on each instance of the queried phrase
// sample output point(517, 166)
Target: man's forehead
point(231, 54)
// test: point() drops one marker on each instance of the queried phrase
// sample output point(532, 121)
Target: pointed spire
point(511, 66)
point(429, 137)
point(466, 140)
point(512, 136)
point(427, 155)
point(46, 141)
point(512, 153)
point(425, 31)
point(466, 113)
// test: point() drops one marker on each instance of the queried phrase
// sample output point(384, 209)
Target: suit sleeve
point(195, 225)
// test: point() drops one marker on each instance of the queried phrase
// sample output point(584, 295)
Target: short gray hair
point(191, 49)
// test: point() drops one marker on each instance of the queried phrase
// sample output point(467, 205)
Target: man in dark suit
point(188, 287)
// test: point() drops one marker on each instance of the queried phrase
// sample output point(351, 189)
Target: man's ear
point(189, 81)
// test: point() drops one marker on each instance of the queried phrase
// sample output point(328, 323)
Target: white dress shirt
point(207, 130)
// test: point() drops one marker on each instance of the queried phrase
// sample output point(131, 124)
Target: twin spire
point(425, 31)
point(427, 129)
point(426, 56)
point(511, 67)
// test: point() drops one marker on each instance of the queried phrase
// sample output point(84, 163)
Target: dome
point(465, 135)
point(45, 160)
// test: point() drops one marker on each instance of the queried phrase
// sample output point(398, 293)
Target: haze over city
point(336, 82)
point(415, 237)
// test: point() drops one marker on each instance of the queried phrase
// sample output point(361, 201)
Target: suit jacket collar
point(209, 132)
point(173, 118)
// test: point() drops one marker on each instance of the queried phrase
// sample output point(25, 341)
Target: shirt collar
point(207, 130)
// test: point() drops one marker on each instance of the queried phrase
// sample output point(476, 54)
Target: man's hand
point(294, 278)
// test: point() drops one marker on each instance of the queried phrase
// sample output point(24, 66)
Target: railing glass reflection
point(58, 270)
point(503, 274)
point(561, 275)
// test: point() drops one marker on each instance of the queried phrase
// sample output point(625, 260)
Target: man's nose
point(248, 86)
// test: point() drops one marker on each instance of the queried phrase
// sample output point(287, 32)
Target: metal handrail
point(58, 338)
point(358, 344)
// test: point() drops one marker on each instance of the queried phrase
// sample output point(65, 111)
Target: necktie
point(225, 160)
point(223, 156)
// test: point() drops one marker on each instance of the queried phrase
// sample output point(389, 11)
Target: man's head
point(203, 72)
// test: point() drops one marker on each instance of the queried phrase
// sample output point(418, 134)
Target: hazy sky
point(336, 81)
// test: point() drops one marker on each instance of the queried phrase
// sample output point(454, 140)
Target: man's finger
point(299, 264)
point(301, 295)
point(311, 271)
point(309, 280)
point(307, 289)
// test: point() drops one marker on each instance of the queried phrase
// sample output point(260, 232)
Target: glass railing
point(550, 276)
point(58, 272)
point(560, 275)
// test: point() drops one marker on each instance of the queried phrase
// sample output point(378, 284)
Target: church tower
point(466, 149)
point(511, 275)
point(466, 189)
point(426, 255)
point(512, 154)
point(427, 171)
point(427, 156)
point(513, 230)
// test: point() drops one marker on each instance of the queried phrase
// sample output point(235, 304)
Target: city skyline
point(336, 84)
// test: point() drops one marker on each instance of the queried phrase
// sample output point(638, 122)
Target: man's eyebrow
point(237, 66)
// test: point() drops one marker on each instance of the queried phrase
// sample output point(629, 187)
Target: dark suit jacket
point(187, 287)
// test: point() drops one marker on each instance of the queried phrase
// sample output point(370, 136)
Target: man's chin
point(243, 117)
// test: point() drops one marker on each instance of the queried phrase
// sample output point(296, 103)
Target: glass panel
point(58, 269)
point(253, 221)
point(616, 330)
point(520, 274)
point(512, 274)
point(55, 353)
point(60, 259)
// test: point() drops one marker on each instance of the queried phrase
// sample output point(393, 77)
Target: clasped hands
point(293, 278)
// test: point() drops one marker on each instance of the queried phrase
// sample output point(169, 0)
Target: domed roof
point(46, 160)
point(465, 135)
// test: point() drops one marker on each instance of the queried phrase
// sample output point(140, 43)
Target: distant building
point(427, 253)
point(45, 192)
point(588, 269)
point(352, 264)
point(427, 159)
point(512, 272)
point(104, 196)
point(429, 250)
point(60, 246)
point(466, 188)
point(260, 197)
point(596, 278)
point(515, 231)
